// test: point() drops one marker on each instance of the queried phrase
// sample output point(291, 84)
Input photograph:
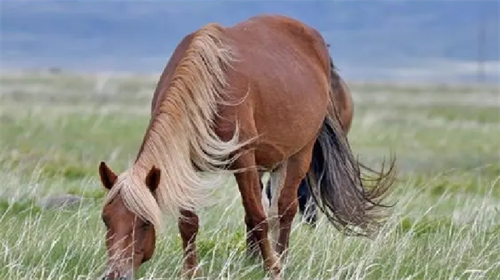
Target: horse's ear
point(108, 177)
point(153, 178)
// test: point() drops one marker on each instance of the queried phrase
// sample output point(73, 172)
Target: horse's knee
point(259, 221)
point(188, 226)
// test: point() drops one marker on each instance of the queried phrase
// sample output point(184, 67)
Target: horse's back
point(282, 68)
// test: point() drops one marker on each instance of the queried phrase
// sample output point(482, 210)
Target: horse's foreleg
point(252, 245)
point(188, 228)
point(297, 167)
point(307, 206)
point(255, 216)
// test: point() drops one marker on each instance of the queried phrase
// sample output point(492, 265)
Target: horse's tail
point(335, 180)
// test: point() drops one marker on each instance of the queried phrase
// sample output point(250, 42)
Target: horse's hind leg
point(188, 228)
point(255, 216)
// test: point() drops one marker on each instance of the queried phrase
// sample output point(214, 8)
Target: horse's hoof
point(276, 274)
point(273, 266)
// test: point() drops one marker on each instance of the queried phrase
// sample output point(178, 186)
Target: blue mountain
point(369, 39)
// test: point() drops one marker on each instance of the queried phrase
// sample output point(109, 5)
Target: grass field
point(446, 224)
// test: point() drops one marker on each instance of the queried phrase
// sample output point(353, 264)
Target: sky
point(370, 40)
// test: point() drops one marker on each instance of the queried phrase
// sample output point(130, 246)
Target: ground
point(56, 128)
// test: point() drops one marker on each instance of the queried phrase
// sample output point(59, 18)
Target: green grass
point(55, 129)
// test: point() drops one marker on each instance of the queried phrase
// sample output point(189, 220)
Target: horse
point(257, 96)
point(344, 105)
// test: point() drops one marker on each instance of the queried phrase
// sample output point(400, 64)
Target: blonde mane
point(180, 140)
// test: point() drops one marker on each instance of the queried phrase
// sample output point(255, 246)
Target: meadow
point(55, 128)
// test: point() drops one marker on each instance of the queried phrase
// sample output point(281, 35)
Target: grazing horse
point(344, 105)
point(256, 96)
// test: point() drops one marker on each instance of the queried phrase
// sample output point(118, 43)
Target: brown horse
point(257, 96)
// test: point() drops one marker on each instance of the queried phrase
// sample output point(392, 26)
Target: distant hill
point(408, 40)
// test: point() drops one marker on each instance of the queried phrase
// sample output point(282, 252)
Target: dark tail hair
point(335, 181)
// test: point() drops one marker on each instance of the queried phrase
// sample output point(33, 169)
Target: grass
point(55, 128)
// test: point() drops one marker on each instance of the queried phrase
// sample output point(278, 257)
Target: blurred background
point(445, 41)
